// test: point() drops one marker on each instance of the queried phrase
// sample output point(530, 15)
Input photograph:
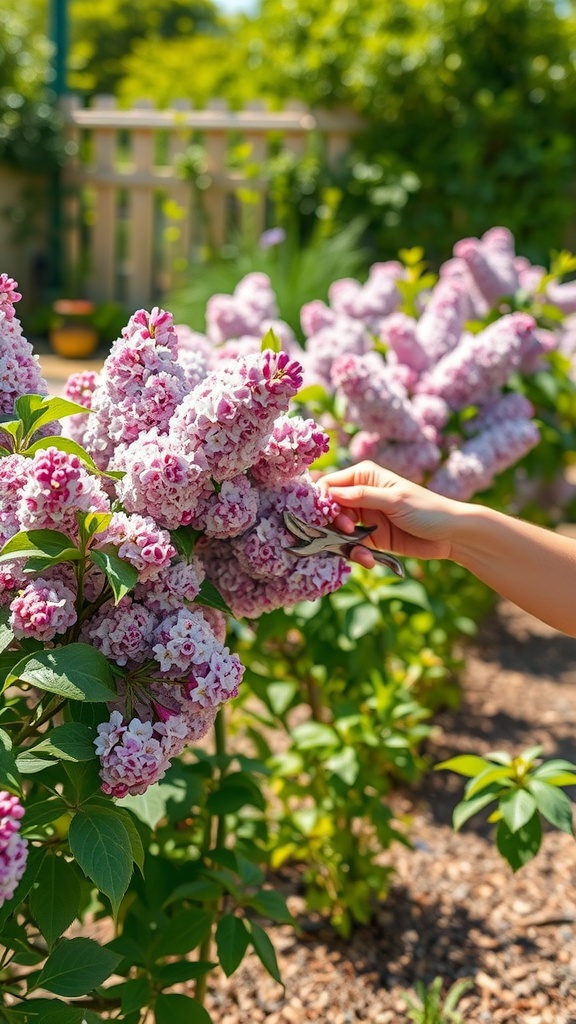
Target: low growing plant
point(526, 791)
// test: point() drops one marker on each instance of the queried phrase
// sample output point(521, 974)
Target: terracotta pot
point(73, 336)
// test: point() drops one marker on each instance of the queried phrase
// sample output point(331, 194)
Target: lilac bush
point(158, 486)
point(413, 369)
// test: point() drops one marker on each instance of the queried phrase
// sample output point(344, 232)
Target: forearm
point(533, 567)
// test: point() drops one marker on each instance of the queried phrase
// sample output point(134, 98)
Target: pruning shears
point(321, 540)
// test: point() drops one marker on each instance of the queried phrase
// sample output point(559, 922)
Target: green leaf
point(83, 780)
point(178, 1009)
point(55, 898)
point(136, 844)
point(210, 598)
point(232, 939)
point(519, 847)
point(8, 771)
point(464, 764)
point(265, 951)
point(35, 858)
point(121, 576)
point(272, 904)
point(517, 808)
point(100, 842)
point(28, 764)
point(6, 634)
point(65, 444)
point(135, 994)
point(182, 970)
point(183, 933)
point(70, 742)
point(271, 341)
point(76, 671)
point(231, 798)
point(76, 966)
point(49, 1011)
point(313, 393)
point(553, 805)
point(50, 545)
point(200, 891)
point(184, 540)
point(486, 778)
point(37, 414)
point(530, 754)
point(308, 735)
point(42, 813)
point(468, 808)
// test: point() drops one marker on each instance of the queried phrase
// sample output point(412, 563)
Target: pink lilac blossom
point(255, 572)
point(131, 755)
point(294, 444)
point(122, 631)
point(562, 295)
point(57, 486)
point(440, 327)
point(457, 270)
point(500, 409)
point(529, 275)
point(13, 475)
point(141, 385)
point(412, 459)
point(161, 482)
point(344, 335)
point(13, 849)
point(473, 467)
point(12, 579)
point(242, 313)
point(399, 332)
point(230, 414)
point(79, 388)
point(231, 510)
point(19, 367)
point(183, 639)
point(480, 362)
point(315, 315)
point(42, 610)
point(178, 585)
point(375, 401)
point(370, 302)
point(491, 263)
point(141, 542)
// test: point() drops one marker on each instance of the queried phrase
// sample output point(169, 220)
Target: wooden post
point(102, 270)
point(214, 199)
point(141, 216)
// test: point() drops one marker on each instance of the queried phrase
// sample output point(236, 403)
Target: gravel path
point(454, 910)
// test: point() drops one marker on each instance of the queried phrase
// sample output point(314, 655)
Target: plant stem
point(53, 708)
point(206, 946)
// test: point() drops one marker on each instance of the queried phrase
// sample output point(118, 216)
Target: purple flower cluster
point(402, 383)
point(19, 368)
point(187, 430)
point(13, 849)
point(198, 431)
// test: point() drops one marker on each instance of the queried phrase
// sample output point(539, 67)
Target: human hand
point(409, 519)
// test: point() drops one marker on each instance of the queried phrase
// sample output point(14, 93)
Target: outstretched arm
point(531, 566)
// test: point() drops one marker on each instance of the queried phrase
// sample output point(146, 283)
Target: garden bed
point(454, 909)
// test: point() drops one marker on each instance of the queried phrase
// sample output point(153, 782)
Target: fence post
point(101, 276)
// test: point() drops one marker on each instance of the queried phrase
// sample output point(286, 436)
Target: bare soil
point(454, 910)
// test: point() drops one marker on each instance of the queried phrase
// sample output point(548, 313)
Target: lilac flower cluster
point(19, 368)
point(13, 849)
point(198, 428)
point(186, 431)
point(406, 386)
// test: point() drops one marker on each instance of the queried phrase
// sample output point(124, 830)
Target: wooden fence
point(134, 223)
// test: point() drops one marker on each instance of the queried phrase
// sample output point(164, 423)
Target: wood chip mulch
point(454, 910)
